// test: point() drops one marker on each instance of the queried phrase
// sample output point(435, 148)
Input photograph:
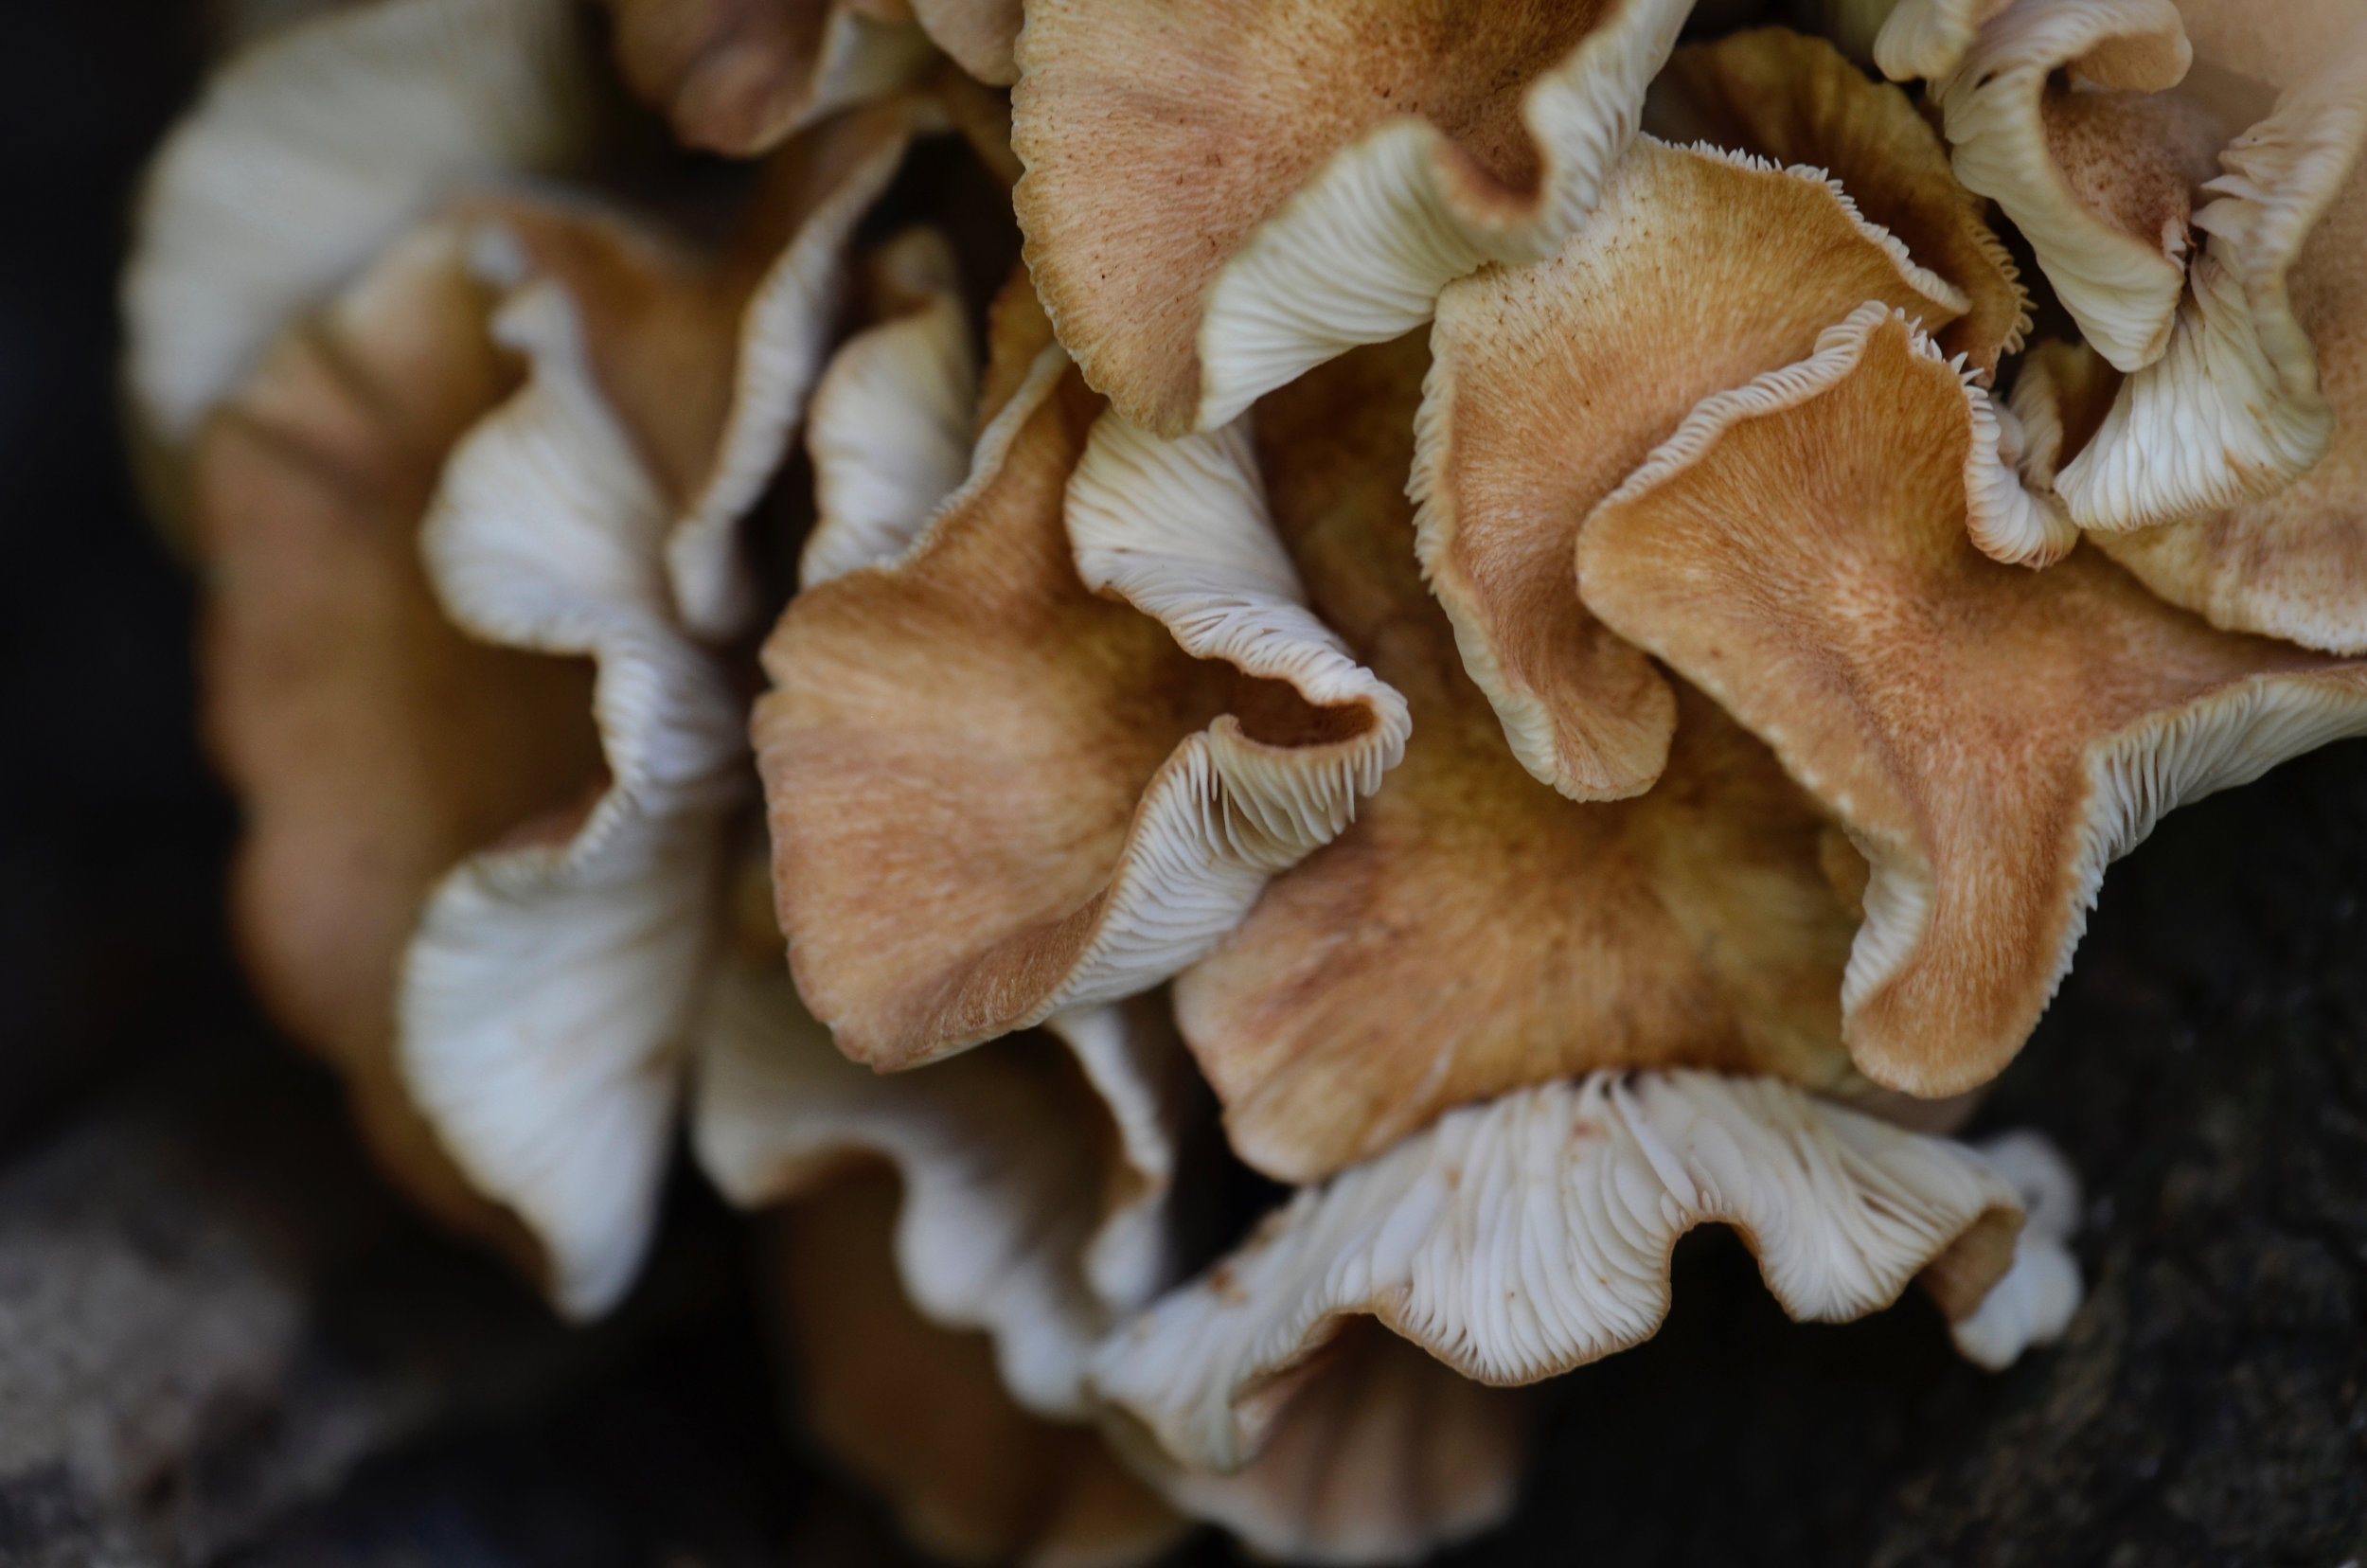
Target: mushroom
point(516, 957)
point(372, 743)
point(1795, 100)
point(917, 1410)
point(552, 975)
point(1926, 38)
point(2097, 174)
point(1990, 738)
point(1084, 793)
point(740, 77)
point(2243, 438)
point(1373, 1452)
point(312, 152)
point(2034, 1302)
point(1521, 1237)
point(998, 1154)
point(1473, 933)
point(1011, 1248)
point(1220, 196)
point(1550, 382)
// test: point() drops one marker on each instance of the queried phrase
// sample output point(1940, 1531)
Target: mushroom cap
point(371, 744)
point(1989, 738)
point(785, 283)
point(1698, 271)
point(1210, 211)
point(2097, 173)
point(917, 1411)
point(552, 976)
point(1522, 1238)
point(2034, 1302)
point(2292, 564)
point(889, 427)
point(1473, 932)
point(981, 35)
point(1797, 101)
point(1136, 1062)
point(2235, 411)
point(1015, 1239)
point(1084, 796)
point(740, 77)
point(1927, 38)
point(1377, 1453)
point(999, 1154)
point(309, 153)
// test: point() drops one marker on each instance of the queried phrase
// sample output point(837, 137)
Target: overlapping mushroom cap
point(1511, 674)
point(1989, 738)
point(1220, 196)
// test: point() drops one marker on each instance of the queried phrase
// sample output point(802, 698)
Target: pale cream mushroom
point(1922, 38)
point(371, 744)
point(1522, 1238)
point(2034, 1302)
point(2097, 171)
point(1550, 382)
point(1989, 738)
point(890, 424)
point(2243, 449)
point(1474, 933)
point(1220, 196)
point(1085, 794)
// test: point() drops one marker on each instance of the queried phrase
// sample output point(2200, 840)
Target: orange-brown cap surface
point(1989, 737)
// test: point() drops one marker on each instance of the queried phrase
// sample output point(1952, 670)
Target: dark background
point(221, 1342)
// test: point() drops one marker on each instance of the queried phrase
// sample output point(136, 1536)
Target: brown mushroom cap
point(1084, 796)
point(372, 743)
point(740, 77)
point(1991, 739)
point(1552, 381)
point(1796, 99)
point(1520, 1238)
point(1221, 195)
point(1474, 932)
point(889, 427)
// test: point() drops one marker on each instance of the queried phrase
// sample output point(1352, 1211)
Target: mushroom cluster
point(1494, 611)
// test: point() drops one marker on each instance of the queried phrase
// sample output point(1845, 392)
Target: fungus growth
point(1478, 613)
